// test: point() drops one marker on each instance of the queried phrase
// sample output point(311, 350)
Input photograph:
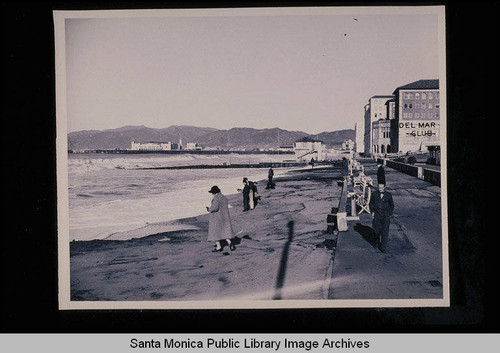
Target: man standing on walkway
point(381, 207)
point(380, 174)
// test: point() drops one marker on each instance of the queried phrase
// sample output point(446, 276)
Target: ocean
point(110, 195)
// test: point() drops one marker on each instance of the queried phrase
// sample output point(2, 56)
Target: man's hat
point(214, 190)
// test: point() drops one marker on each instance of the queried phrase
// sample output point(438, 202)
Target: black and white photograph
point(252, 158)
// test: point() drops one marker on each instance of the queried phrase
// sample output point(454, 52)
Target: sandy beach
point(282, 251)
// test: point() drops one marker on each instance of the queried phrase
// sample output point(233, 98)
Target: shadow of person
point(367, 233)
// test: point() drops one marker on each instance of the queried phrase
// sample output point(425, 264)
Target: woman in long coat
point(219, 226)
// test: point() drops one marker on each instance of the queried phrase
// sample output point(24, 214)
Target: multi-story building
point(417, 118)
point(375, 110)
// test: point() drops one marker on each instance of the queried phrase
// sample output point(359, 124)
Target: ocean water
point(110, 194)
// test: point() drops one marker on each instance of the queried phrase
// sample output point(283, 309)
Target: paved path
point(412, 267)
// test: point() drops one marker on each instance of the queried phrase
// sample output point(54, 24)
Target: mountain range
point(248, 138)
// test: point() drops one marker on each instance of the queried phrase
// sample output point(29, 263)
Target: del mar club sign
point(419, 128)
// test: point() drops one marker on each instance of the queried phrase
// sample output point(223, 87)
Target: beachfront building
point(154, 146)
point(151, 146)
point(416, 116)
point(381, 135)
point(359, 129)
point(375, 110)
point(191, 146)
point(307, 148)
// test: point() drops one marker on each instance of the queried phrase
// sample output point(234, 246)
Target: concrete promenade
point(412, 268)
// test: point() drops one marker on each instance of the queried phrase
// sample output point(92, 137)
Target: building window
point(406, 105)
point(430, 105)
point(424, 96)
point(417, 115)
point(417, 95)
point(437, 105)
point(430, 95)
point(410, 105)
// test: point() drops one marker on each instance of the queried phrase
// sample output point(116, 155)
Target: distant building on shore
point(307, 148)
point(154, 146)
point(193, 146)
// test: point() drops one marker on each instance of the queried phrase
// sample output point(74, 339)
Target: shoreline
point(180, 265)
point(145, 229)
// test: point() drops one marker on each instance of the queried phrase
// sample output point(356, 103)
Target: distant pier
point(243, 165)
point(119, 151)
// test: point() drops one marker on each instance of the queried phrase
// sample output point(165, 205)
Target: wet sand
point(282, 251)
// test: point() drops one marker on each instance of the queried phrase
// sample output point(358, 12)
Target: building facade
point(154, 146)
point(417, 116)
point(375, 110)
point(193, 146)
point(151, 146)
point(307, 148)
point(381, 136)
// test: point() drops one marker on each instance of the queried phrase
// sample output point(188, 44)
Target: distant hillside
point(251, 138)
point(248, 138)
point(335, 138)
point(122, 138)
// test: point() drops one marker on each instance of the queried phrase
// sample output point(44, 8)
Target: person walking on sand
point(253, 198)
point(381, 207)
point(246, 195)
point(219, 226)
point(270, 176)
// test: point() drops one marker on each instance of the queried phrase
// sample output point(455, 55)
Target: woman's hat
point(214, 190)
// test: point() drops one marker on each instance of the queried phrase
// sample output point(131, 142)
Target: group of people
point(220, 227)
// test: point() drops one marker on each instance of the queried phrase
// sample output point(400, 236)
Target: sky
point(300, 72)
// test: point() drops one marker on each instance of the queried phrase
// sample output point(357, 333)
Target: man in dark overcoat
point(246, 195)
point(381, 207)
point(270, 176)
point(380, 174)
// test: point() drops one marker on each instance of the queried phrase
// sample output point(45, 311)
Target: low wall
point(432, 176)
point(405, 168)
point(429, 175)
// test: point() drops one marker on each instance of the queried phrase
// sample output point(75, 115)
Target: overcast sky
point(310, 73)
